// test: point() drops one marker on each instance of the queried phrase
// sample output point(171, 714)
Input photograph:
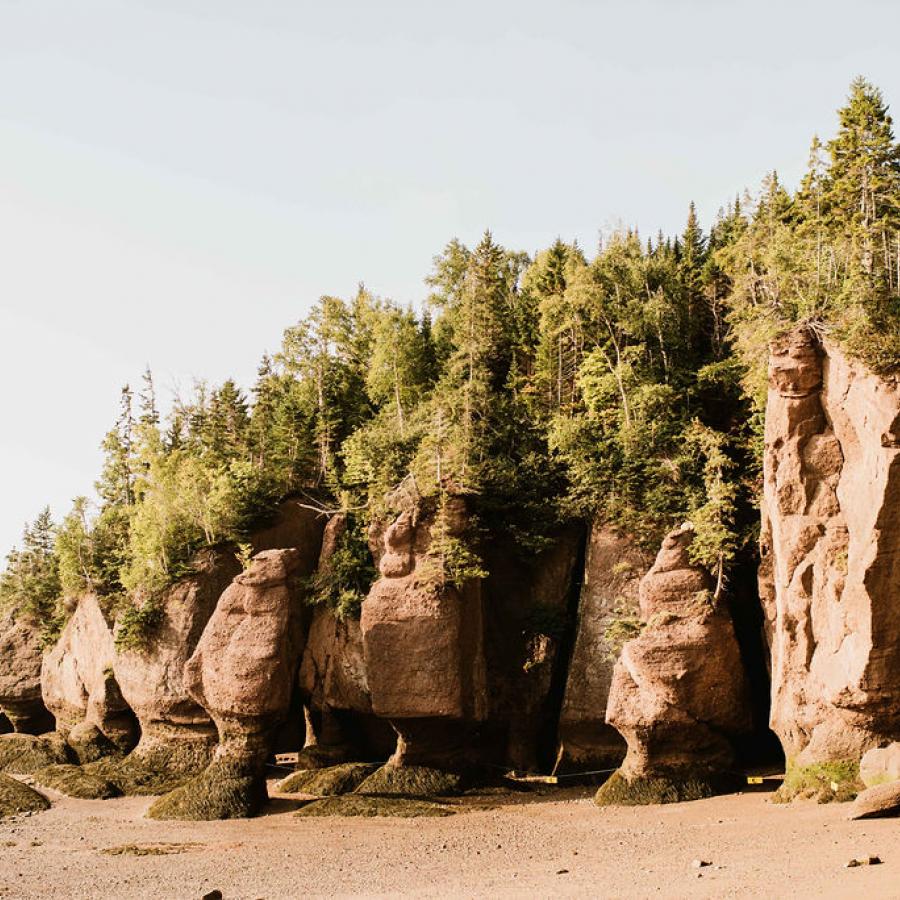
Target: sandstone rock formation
point(830, 548)
point(20, 675)
point(678, 694)
point(527, 622)
point(333, 678)
point(880, 765)
point(423, 643)
point(608, 607)
point(177, 735)
point(242, 673)
point(880, 801)
point(78, 682)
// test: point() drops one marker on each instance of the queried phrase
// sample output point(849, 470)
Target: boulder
point(17, 798)
point(678, 693)
point(78, 682)
point(880, 801)
point(20, 674)
point(830, 546)
point(423, 643)
point(242, 673)
point(608, 615)
point(880, 765)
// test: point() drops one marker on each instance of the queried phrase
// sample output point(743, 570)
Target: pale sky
point(180, 179)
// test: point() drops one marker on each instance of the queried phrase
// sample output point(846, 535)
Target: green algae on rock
point(827, 782)
point(225, 790)
point(370, 806)
point(24, 754)
point(330, 782)
point(75, 781)
point(660, 788)
point(16, 798)
point(412, 781)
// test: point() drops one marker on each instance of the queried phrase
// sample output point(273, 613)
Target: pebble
point(700, 863)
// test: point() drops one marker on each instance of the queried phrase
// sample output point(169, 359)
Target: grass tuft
point(827, 782)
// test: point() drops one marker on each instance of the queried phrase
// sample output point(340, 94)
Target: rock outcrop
point(678, 694)
point(880, 765)
point(423, 644)
point(79, 687)
point(527, 624)
point(607, 614)
point(242, 674)
point(340, 722)
point(830, 547)
point(177, 735)
point(20, 675)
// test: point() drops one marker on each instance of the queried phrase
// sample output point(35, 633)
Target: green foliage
point(625, 626)
point(343, 583)
point(30, 584)
point(136, 624)
point(629, 386)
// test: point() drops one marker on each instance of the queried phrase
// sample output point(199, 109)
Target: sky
point(181, 179)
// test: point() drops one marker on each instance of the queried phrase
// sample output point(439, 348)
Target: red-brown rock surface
point(242, 674)
point(77, 680)
point(527, 618)
point(831, 552)
point(613, 570)
point(151, 677)
point(20, 675)
point(423, 643)
point(678, 694)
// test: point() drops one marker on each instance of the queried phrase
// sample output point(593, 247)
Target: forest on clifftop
point(627, 385)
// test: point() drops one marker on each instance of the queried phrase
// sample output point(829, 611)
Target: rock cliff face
point(423, 646)
point(20, 675)
point(678, 694)
point(830, 547)
point(613, 570)
point(527, 621)
point(78, 682)
point(340, 724)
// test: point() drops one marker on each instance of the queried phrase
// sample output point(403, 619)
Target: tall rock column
point(242, 674)
point(830, 548)
point(423, 644)
point(678, 693)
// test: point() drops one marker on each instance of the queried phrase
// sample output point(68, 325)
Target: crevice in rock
point(548, 736)
point(761, 746)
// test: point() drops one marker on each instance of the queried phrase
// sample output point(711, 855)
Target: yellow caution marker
point(754, 779)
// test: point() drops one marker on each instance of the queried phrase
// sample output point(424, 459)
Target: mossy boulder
point(674, 787)
point(412, 781)
point(89, 743)
point(827, 782)
point(357, 805)
point(154, 769)
point(328, 782)
point(16, 798)
point(225, 790)
point(74, 781)
point(24, 754)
